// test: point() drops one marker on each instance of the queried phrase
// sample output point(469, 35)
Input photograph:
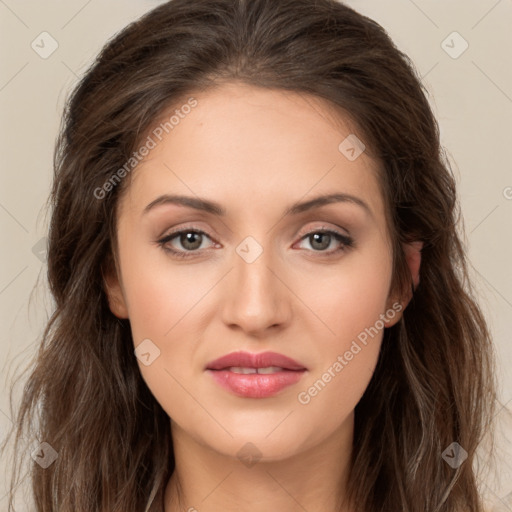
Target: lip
point(255, 385)
point(260, 360)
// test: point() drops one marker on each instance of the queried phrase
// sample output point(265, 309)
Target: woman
point(261, 294)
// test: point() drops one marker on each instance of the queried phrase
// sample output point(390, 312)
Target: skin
point(256, 152)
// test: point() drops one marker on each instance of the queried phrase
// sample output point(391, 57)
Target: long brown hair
point(434, 382)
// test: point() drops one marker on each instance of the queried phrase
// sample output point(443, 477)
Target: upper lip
point(261, 360)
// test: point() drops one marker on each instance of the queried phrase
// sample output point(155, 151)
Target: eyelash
point(347, 242)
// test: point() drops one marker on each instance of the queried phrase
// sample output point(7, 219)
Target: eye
point(190, 240)
point(321, 239)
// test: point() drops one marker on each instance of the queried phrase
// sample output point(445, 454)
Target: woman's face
point(308, 282)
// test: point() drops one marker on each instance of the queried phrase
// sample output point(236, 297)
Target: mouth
point(255, 375)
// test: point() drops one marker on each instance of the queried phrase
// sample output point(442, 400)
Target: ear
point(412, 251)
point(114, 291)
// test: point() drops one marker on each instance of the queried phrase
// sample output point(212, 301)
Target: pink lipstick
point(255, 375)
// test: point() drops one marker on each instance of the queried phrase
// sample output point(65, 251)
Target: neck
point(205, 480)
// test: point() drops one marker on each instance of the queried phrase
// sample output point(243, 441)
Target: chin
point(254, 447)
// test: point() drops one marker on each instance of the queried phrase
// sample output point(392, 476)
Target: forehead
point(252, 147)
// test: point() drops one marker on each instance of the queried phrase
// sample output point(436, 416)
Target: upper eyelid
point(179, 231)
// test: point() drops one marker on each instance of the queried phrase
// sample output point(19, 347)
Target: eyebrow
point(216, 209)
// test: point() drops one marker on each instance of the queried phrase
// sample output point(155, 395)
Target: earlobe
point(412, 251)
point(114, 293)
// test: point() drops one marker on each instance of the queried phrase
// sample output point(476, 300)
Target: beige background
point(471, 95)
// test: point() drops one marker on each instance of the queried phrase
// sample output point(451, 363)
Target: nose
point(257, 298)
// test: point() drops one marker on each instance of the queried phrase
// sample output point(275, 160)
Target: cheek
point(164, 303)
point(163, 306)
point(350, 297)
point(350, 304)
point(160, 294)
point(344, 364)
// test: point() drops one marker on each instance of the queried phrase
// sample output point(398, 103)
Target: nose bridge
point(256, 297)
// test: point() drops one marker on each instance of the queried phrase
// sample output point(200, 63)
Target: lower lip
point(256, 385)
